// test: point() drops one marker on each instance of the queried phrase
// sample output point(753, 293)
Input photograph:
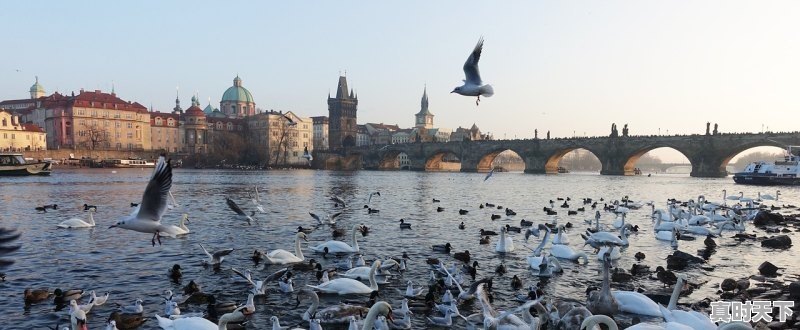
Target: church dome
point(208, 109)
point(237, 93)
point(37, 88)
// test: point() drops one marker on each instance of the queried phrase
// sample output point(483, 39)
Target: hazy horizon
point(572, 68)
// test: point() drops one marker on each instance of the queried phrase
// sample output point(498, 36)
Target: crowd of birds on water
point(447, 291)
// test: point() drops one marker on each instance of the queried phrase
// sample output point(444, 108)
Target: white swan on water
point(77, 223)
point(693, 319)
point(594, 322)
point(505, 243)
point(561, 237)
point(200, 323)
point(334, 246)
point(343, 286)
point(173, 230)
point(282, 257)
point(566, 252)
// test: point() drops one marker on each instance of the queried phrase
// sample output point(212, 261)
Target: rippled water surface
point(126, 265)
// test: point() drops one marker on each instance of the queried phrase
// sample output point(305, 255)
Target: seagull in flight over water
point(473, 85)
point(147, 217)
point(489, 175)
point(233, 206)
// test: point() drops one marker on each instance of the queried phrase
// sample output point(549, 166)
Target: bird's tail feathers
point(487, 90)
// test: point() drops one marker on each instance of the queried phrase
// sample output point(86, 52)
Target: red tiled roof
point(32, 128)
point(96, 99)
point(195, 111)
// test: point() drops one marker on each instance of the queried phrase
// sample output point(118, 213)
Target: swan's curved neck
point(595, 320)
point(676, 292)
point(355, 242)
point(543, 242)
point(369, 321)
point(91, 218)
point(606, 289)
point(373, 284)
point(183, 223)
point(314, 305)
point(297, 250)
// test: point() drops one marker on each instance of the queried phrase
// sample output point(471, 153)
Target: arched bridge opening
point(658, 159)
point(738, 160)
point(443, 161)
point(504, 160)
point(394, 160)
point(573, 159)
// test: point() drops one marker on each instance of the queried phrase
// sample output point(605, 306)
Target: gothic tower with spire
point(342, 127)
point(424, 116)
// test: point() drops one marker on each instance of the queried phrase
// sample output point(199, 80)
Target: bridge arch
point(551, 165)
point(394, 160)
point(747, 146)
point(486, 161)
point(630, 165)
point(443, 160)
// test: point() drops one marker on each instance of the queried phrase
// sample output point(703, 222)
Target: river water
point(125, 264)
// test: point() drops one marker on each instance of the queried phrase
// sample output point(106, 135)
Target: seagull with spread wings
point(289, 120)
point(473, 85)
point(147, 217)
point(233, 206)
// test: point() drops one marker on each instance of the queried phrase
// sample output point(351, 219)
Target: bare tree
point(94, 136)
point(281, 148)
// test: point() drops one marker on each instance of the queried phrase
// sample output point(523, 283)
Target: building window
point(130, 125)
point(12, 136)
point(117, 124)
point(294, 153)
point(130, 135)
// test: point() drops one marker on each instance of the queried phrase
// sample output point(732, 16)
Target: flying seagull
point(233, 206)
point(473, 85)
point(147, 217)
point(489, 175)
point(290, 121)
point(216, 257)
point(338, 200)
point(307, 155)
point(369, 200)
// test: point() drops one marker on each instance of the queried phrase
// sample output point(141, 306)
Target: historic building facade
point(342, 115)
point(166, 132)
point(16, 136)
point(320, 133)
point(283, 140)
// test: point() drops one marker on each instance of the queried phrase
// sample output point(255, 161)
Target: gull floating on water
point(473, 85)
point(216, 258)
point(147, 217)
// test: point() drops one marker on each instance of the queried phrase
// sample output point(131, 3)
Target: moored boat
point(780, 172)
point(15, 165)
point(125, 163)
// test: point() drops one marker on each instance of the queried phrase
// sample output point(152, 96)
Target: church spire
point(424, 102)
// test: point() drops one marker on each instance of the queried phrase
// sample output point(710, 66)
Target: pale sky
point(563, 66)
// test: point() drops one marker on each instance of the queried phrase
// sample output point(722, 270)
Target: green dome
point(237, 93)
point(37, 87)
point(209, 109)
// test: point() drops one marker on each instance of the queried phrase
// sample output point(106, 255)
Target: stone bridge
point(708, 154)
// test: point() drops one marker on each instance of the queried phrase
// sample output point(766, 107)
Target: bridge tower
point(342, 127)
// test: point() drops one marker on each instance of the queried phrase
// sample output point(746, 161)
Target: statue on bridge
point(614, 132)
point(548, 135)
point(708, 128)
point(625, 130)
point(535, 133)
point(715, 129)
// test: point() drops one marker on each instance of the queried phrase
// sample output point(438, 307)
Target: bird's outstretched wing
point(314, 216)
point(206, 251)
point(234, 207)
point(471, 71)
point(289, 119)
point(7, 236)
point(154, 199)
point(333, 216)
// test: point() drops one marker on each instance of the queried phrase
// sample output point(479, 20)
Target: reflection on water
point(126, 265)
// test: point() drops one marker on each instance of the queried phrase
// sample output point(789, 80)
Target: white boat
point(15, 164)
point(780, 172)
point(128, 163)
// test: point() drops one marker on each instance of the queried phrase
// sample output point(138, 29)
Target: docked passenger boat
point(15, 165)
point(780, 172)
point(124, 163)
